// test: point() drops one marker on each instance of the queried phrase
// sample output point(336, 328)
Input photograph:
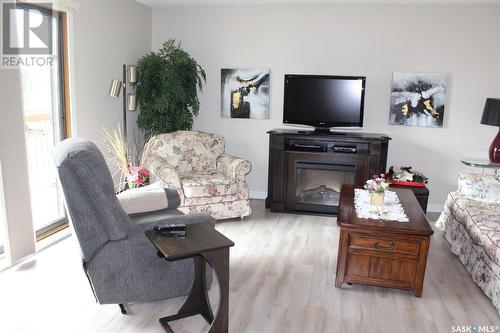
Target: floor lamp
point(129, 100)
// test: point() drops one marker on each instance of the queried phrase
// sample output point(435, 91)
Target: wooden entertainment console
point(307, 168)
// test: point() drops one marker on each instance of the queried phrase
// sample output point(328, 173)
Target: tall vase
point(377, 198)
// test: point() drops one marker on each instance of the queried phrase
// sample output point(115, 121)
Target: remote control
point(171, 230)
point(169, 227)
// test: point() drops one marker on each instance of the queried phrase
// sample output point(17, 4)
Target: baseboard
point(435, 208)
point(261, 195)
point(258, 195)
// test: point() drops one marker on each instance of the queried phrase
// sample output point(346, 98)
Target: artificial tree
point(167, 89)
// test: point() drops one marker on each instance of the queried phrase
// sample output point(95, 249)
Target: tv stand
point(307, 168)
point(321, 131)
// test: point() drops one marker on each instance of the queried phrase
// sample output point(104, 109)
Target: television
point(324, 101)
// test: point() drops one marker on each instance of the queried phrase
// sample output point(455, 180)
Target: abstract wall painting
point(245, 93)
point(418, 99)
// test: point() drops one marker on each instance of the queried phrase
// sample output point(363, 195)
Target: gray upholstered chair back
point(94, 210)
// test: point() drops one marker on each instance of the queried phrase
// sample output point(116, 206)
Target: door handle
point(380, 247)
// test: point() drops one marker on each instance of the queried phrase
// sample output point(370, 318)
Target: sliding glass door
point(45, 108)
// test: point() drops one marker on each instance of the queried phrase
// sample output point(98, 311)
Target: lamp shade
point(132, 73)
point(115, 88)
point(491, 113)
point(131, 102)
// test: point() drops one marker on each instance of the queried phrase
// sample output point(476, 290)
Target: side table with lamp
point(484, 164)
point(491, 116)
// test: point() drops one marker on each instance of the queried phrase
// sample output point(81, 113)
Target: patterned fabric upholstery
point(207, 185)
point(189, 151)
point(472, 226)
point(480, 187)
point(208, 180)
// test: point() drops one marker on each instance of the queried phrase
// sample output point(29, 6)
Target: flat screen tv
point(324, 101)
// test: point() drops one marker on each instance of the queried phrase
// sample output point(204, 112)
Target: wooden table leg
point(219, 260)
point(341, 259)
point(198, 302)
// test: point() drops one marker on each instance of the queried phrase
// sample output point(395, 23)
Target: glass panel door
point(44, 110)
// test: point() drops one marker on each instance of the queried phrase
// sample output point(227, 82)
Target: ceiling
point(165, 3)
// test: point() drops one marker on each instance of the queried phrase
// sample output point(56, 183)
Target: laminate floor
point(282, 280)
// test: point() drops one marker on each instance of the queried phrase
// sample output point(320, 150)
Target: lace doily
point(391, 211)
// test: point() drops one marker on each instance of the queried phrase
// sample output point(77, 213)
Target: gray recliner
point(121, 263)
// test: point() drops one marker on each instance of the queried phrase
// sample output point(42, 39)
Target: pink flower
point(133, 170)
point(131, 177)
point(144, 172)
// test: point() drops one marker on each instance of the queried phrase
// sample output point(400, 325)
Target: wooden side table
point(382, 253)
point(202, 243)
point(421, 193)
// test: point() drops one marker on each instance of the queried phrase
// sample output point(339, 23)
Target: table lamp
point(491, 116)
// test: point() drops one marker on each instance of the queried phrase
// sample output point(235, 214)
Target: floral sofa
point(471, 223)
point(208, 180)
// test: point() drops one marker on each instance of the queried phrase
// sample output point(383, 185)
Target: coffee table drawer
point(383, 244)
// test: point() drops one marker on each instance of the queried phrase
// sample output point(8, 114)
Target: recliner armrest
point(234, 167)
point(149, 198)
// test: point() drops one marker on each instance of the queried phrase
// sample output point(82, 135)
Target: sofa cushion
point(242, 194)
point(481, 220)
point(221, 210)
point(148, 198)
point(207, 184)
point(480, 187)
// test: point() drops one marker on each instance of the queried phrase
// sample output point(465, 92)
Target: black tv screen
point(324, 101)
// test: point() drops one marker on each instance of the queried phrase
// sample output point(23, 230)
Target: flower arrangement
point(137, 177)
point(128, 160)
point(406, 174)
point(378, 184)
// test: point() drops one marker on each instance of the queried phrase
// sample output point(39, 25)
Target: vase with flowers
point(127, 159)
point(377, 187)
point(137, 176)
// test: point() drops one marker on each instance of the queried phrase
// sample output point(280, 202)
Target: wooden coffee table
point(382, 253)
point(202, 243)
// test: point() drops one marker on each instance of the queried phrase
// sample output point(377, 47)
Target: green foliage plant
point(167, 90)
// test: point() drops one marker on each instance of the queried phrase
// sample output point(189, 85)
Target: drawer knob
point(378, 246)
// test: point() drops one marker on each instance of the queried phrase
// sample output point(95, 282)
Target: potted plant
point(167, 90)
point(377, 187)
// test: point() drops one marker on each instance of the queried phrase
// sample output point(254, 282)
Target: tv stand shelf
point(362, 154)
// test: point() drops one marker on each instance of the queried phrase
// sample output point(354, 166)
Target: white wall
point(371, 40)
point(107, 34)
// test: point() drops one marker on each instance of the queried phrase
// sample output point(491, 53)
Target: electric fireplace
point(317, 185)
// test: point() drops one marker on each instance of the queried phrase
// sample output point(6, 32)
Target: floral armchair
point(208, 180)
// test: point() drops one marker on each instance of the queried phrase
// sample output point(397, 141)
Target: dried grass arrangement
point(128, 159)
